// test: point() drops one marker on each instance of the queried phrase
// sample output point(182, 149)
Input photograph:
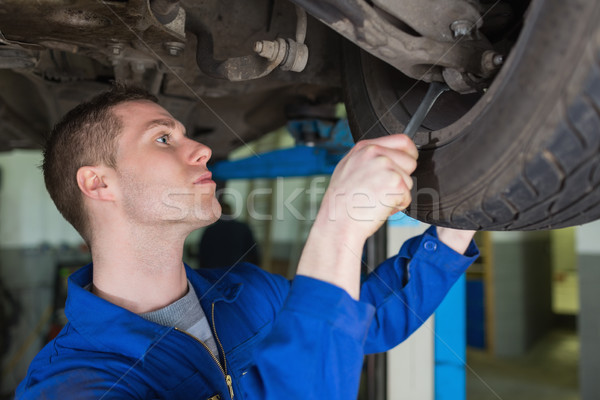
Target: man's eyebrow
point(164, 122)
point(169, 123)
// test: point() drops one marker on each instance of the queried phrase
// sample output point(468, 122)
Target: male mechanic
point(143, 325)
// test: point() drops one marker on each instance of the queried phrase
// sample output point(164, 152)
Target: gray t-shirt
point(186, 314)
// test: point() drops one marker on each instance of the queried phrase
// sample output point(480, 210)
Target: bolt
point(498, 60)
point(174, 48)
point(267, 49)
point(138, 67)
point(116, 49)
point(491, 61)
point(461, 28)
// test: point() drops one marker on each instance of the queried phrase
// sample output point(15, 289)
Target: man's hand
point(371, 183)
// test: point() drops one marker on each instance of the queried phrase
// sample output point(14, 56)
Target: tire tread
point(560, 186)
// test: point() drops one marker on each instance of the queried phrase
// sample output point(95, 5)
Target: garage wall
point(522, 290)
point(34, 239)
point(27, 215)
point(410, 365)
point(564, 249)
point(588, 260)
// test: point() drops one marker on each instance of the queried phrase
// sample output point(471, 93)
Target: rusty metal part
point(235, 68)
point(74, 53)
point(175, 48)
point(433, 18)
point(165, 11)
point(491, 62)
point(16, 58)
point(421, 57)
point(463, 28)
point(301, 24)
point(98, 29)
point(458, 81)
point(287, 54)
point(127, 36)
point(291, 55)
point(268, 49)
point(296, 57)
point(466, 82)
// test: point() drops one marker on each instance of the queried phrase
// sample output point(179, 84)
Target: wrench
point(433, 92)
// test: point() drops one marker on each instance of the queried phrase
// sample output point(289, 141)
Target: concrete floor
point(549, 371)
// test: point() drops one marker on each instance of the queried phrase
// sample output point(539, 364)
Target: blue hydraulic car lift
point(327, 144)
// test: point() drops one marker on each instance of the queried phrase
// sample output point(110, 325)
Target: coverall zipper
point(223, 367)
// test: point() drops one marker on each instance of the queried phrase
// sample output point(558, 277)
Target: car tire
point(524, 155)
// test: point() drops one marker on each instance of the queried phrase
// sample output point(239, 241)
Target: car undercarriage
point(232, 71)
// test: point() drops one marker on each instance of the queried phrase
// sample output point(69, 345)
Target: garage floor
point(549, 371)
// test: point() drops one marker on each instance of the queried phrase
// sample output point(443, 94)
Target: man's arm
point(457, 240)
point(371, 183)
point(408, 287)
point(320, 332)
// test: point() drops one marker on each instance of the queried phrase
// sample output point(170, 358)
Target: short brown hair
point(86, 135)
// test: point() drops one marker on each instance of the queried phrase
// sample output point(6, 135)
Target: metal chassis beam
point(418, 57)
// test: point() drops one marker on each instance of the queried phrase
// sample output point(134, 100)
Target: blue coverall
point(277, 340)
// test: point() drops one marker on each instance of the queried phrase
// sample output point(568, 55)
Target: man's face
point(163, 178)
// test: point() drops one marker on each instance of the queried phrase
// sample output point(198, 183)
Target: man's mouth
point(204, 178)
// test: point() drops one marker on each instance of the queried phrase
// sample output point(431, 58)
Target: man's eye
point(163, 139)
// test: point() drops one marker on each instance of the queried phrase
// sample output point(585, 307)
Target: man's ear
point(95, 183)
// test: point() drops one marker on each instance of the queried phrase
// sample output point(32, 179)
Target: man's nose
point(200, 153)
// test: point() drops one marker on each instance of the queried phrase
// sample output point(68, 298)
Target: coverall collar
point(115, 329)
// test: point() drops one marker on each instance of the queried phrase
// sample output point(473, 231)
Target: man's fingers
point(407, 181)
point(395, 186)
point(397, 201)
point(396, 141)
point(392, 158)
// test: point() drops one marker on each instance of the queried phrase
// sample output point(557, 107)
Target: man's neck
point(139, 270)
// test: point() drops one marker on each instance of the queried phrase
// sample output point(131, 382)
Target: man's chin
point(193, 219)
point(208, 218)
point(215, 218)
